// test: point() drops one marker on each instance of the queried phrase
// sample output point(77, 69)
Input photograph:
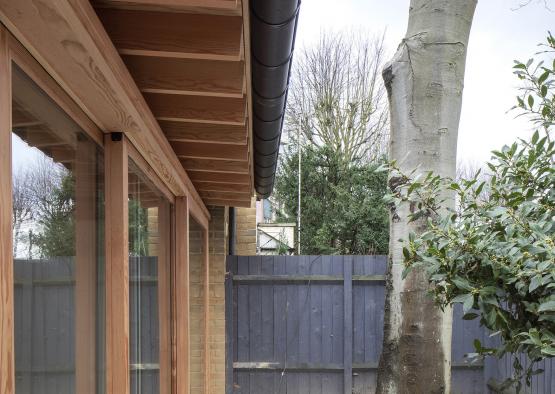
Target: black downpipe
point(232, 231)
point(273, 30)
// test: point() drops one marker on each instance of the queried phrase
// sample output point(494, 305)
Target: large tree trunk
point(424, 83)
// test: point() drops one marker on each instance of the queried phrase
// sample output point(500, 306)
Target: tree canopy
point(337, 106)
point(342, 206)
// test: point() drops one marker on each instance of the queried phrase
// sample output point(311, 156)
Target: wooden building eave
point(68, 39)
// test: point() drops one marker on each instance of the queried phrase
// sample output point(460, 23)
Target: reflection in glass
point(144, 249)
point(57, 247)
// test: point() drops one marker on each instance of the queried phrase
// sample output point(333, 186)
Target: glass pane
point(144, 251)
point(58, 247)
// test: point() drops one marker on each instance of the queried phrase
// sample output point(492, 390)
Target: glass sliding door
point(148, 283)
point(58, 248)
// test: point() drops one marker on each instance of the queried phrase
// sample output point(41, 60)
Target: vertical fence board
point(304, 335)
point(348, 325)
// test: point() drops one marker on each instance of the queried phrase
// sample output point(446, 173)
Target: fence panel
point(314, 324)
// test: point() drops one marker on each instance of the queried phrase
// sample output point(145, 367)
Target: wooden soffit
point(188, 59)
point(122, 80)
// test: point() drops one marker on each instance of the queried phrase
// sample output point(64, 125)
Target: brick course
point(245, 241)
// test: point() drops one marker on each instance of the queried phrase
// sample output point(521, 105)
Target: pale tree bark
point(424, 83)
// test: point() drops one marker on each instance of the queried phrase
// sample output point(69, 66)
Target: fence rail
point(314, 324)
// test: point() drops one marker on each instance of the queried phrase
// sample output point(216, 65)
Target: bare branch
point(337, 97)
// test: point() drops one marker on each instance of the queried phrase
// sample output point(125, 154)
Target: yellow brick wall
point(218, 252)
point(245, 242)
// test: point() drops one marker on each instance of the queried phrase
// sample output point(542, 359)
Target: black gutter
point(232, 231)
point(273, 30)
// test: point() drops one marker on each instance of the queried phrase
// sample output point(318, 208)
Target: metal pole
point(299, 207)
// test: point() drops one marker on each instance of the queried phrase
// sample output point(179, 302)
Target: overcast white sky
point(499, 35)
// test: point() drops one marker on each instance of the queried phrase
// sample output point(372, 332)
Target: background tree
point(138, 228)
point(342, 205)
point(56, 220)
point(337, 97)
point(337, 104)
point(52, 193)
point(22, 206)
point(44, 200)
point(496, 252)
point(424, 82)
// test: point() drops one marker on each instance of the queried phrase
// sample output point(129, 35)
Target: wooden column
point(205, 239)
point(7, 385)
point(117, 265)
point(181, 298)
point(85, 266)
point(164, 299)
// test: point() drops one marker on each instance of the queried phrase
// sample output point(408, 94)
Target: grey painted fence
point(314, 325)
point(45, 326)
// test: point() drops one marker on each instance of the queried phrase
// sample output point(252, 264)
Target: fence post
point(348, 324)
point(229, 321)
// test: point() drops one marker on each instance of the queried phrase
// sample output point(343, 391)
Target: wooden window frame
point(165, 257)
point(117, 263)
point(174, 273)
point(181, 359)
point(7, 362)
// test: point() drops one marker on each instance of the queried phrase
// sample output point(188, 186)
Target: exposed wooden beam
point(20, 118)
point(229, 203)
point(38, 136)
point(199, 150)
point(36, 105)
point(218, 177)
point(60, 154)
point(226, 195)
point(204, 132)
point(225, 166)
point(222, 187)
point(68, 40)
point(217, 110)
point(215, 7)
point(7, 363)
point(53, 90)
point(187, 76)
point(117, 267)
point(164, 34)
